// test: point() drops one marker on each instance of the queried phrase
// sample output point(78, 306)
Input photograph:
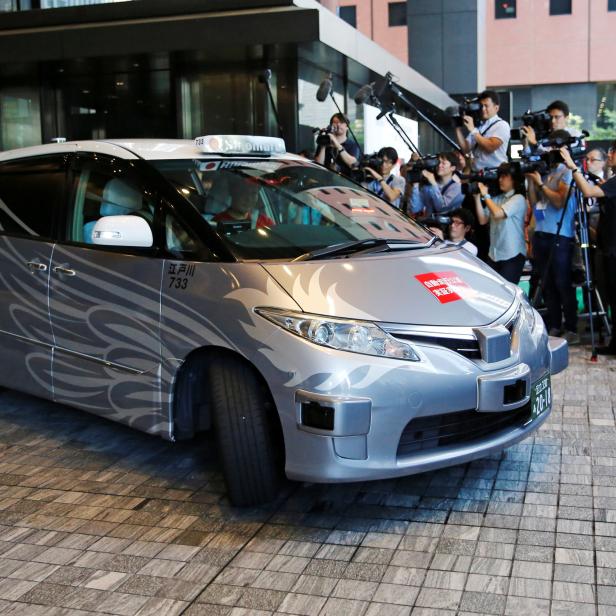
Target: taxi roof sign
point(240, 144)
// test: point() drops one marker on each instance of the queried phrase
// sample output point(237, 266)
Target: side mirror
point(122, 231)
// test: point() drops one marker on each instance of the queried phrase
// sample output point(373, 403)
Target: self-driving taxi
point(178, 286)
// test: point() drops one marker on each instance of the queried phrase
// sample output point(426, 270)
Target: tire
point(248, 450)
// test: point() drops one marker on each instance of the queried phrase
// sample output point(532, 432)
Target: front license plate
point(540, 396)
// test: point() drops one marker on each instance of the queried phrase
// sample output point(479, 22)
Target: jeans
point(558, 292)
point(509, 269)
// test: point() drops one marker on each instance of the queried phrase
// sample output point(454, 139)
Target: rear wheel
point(245, 432)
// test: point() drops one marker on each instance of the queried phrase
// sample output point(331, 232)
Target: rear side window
point(102, 189)
point(30, 193)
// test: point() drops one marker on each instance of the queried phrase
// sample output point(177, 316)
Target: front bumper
point(559, 354)
point(376, 402)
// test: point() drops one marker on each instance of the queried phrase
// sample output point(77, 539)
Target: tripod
point(581, 217)
point(587, 285)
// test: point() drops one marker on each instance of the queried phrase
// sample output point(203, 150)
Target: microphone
point(265, 76)
point(365, 93)
point(324, 89)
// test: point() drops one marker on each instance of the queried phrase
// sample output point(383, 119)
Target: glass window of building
point(397, 14)
point(505, 10)
point(560, 7)
point(349, 14)
point(611, 5)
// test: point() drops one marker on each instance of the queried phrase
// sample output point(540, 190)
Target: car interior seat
point(119, 199)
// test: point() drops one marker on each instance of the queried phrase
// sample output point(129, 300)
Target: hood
point(437, 286)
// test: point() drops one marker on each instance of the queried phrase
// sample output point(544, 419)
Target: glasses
point(594, 160)
point(457, 222)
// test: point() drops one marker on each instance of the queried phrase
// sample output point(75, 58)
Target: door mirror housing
point(122, 231)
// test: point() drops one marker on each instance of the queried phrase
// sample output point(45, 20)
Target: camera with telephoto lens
point(540, 163)
point(470, 107)
point(323, 136)
point(427, 163)
point(539, 121)
point(487, 176)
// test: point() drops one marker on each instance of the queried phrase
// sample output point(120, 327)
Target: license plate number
point(540, 396)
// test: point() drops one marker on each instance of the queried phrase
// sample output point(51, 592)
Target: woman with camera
point(505, 213)
point(437, 193)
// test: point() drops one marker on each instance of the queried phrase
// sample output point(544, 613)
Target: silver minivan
point(177, 286)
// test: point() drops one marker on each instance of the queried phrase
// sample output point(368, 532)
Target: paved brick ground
point(96, 518)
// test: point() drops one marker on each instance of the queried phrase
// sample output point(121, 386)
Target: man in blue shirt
point(554, 211)
point(384, 182)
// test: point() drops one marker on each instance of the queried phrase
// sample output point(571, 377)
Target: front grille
point(464, 346)
point(427, 433)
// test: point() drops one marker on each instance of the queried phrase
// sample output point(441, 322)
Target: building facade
point(181, 69)
point(531, 51)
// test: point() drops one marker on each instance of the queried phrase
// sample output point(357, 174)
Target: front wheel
point(245, 433)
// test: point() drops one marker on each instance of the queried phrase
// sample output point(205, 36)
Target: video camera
point(539, 121)
point(487, 176)
point(373, 161)
point(427, 163)
point(323, 135)
point(470, 107)
point(542, 163)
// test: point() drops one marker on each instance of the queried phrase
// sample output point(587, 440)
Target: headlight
point(341, 334)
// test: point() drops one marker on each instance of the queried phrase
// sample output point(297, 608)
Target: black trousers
point(509, 269)
point(609, 264)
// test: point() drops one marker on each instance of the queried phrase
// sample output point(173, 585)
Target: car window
point(280, 209)
point(178, 239)
point(30, 192)
point(101, 191)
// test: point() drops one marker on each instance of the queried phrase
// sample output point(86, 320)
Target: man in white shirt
point(462, 222)
point(487, 143)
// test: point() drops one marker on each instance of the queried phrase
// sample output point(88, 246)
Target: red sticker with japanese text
point(445, 286)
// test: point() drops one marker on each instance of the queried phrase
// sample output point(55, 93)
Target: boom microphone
point(265, 76)
point(365, 93)
point(324, 89)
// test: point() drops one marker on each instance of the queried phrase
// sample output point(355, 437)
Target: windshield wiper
point(369, 245)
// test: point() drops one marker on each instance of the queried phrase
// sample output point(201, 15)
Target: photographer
point(554, 211)
point(461, 225)
point(342, 153)
point(487, 143)
point(438, 193)
point(606, 192)
point(384, 183)
point(559, 120)
point(505, 213)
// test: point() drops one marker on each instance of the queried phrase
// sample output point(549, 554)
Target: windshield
point(283, 209)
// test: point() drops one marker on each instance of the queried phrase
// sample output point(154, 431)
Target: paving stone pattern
point(97, 518)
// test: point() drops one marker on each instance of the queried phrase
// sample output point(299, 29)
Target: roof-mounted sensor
point(240, 144)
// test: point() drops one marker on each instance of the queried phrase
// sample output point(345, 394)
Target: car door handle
point(36, 267)
point(59, 269)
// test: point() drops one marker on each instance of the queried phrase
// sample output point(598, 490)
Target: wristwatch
point(486, 196)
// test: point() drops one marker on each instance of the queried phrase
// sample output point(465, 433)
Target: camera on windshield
point(539, 121)
point(470, 107)
point(488, 176)
point(427, 163)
